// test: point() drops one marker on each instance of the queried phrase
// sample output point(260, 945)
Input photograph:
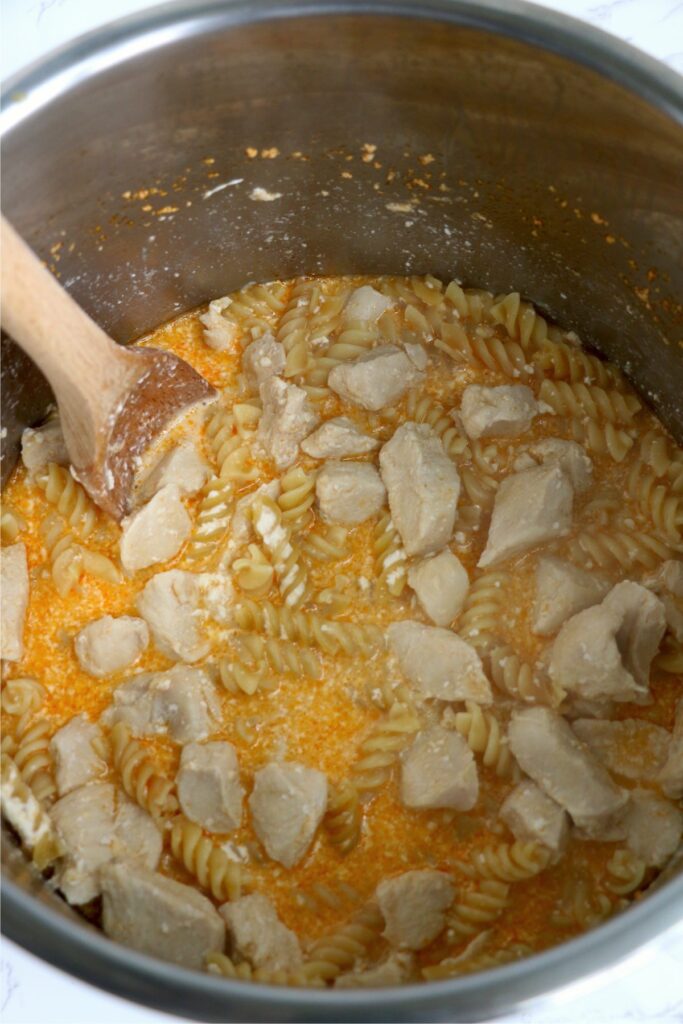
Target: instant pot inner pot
point(173, 161)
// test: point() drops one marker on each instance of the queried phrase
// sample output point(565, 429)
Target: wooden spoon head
point(165, 388)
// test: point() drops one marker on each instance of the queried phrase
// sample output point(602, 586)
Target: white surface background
point(647, 987)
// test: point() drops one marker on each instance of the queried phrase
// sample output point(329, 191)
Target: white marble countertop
point(645, 988)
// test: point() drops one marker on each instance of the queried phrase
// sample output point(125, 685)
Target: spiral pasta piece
point(480, 488)
point(297, 494)
point(619, 547)
point(337, 953)
point(484, 736)
point(602, 438)
point(326, 546)
point(663, 458)
point(69, 499)
point(22, 695)
point(353, 340)
point(483, 609)
point(205, 860)
point(253, 572)
point(379, 751)
point(390, 556)
point(11, 524)
point(282, 657)
point(657, 501)
point(212, 522)
point(292, 329)
point(219, 963)
point(27, 816)
point(139, 777)
point(470, 303)
point(291, 575)
point(511, 862)
point(518, 678)
point(423, 409)
point(452, 967)
point(309, 629)
point(343, 817)
point(257, 307)
point(559, 361)
point(240, 679)
point(579, 400)
point(33, 759)
point(506, 358)
point(475, 909)
point(521, 321)
point(320, 896)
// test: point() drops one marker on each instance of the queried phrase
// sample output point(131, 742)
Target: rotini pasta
point(602, 438)
point(33, 759)
point(475, 909)
point(253, 572)
point(344, 816)
point(291, 575)
point(578, 400)
point(212, 522)
point(11, 524)
point(379, 751)
point(27, 816)
point(623, 548)
point(337, 953)
point(422, 409)
point(292, 329)
point(219, 963)
point(297, 494)
point(204, 859)
point(484, 736)
point(151, 790)
point(280, 656)
point(657, 501)
point(308, 629)
point(511, 862)
point(521, 680)
point(69, 498)
point(560, 361)
point(484, 607)
point(390, 556)
point(625, 872)
point(328, 545)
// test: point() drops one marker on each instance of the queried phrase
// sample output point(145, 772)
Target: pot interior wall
point(392, 144)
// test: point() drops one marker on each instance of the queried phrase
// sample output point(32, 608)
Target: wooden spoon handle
point(87, 370)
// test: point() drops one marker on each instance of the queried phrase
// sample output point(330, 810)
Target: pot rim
point(84, 951)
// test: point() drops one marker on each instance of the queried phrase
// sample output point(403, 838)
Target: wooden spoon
point(114, 402)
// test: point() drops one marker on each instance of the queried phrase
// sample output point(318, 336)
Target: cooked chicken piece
point(263, 359)
point(181, 702)
point(108, 645)
point(96, 824)
point(505, 411)
point(530, 508)
point(562, 590)
point(337, 438)
point(438, 662)
point(209, 788)
point(569, 456)
point(667, 583)
point(366, 305)
point(395, 969)
point(13, 601)
point(43, 445)
point(216, 596)
point(631, 747)
point(671, 775)
point(181, 467)
point(159, 916)
point(654, 827)
point(607, 650)
point(74, 749)
point(423, 488)
point(287, 803)
point(220, 333)
point(376, 379)
point(288, 417)
point(441, 584)
point(169, 604)
point(550, 753)
point(439, 770)
point(414, 907)
point(156, 532)
point(349, 492)
point(256, 934)
point(532, 816)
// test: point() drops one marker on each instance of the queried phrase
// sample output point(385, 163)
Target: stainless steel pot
point(514, 149)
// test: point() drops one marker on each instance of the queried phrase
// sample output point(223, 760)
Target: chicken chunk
point(220, 331)
point(562, 590)
point(376, 379)
point(75, 750)
point(110, 644)
point(181, 467)
point(288, 417)
point(439, 770)
point(14, 595)
point(569, 456)
point(530, 508)
point(395, 969)
point(631, 747)
point(42, 445)
point(156, 532)
point(671, 775)
point(287, 803)
point(441, 584)
point(159, 916)
point(551, 754)
point(97, 824)
point(337, 438)
point(349, 492)
point(414, 907)
point(209, 788)
point(654, 827)
point(505, 411)
point(532, 816)
point(256, 934)
point(169, 604)
point(439, 663)
point(667, 583)
point(423, 488)
point(263, 359)
point(366, 304)
point(181, 702)
point(606, 651)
